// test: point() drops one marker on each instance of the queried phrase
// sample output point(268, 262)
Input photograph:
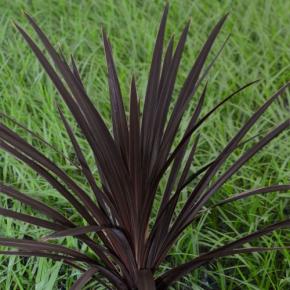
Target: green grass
point(258, 49)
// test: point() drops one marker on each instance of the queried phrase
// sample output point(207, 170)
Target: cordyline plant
point(125, 252)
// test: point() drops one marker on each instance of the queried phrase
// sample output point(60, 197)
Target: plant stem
point(146, 280)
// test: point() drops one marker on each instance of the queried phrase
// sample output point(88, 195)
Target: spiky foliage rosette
point(142, 150)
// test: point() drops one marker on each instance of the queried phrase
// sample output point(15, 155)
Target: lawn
point(258, 49)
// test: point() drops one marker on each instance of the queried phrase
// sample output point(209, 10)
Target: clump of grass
point(127, 249)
